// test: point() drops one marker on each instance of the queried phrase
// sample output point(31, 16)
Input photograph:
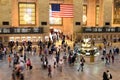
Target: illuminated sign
point(100, 29)
point(29, 30)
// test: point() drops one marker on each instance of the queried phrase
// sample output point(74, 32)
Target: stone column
point(91, 7)
point(107, 12)
point(5, 11)
point(44, 15)
point(14, 15)
point(78, 17)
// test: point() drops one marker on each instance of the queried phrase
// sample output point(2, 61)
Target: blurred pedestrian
point(49, 71)
point(9, 60)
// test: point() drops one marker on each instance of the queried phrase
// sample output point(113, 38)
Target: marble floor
point(92, 71)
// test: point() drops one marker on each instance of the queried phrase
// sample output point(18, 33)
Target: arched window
point(116, 12)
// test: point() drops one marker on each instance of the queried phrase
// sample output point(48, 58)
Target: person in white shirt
point(21, 58)
point(61, 64)
point(22, 65)
point(54, 60)
point(109, 76)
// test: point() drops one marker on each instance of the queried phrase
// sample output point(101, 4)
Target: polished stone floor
point(92, 71)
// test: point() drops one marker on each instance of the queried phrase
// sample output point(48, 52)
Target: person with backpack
point(109, 75)
point(105, 76)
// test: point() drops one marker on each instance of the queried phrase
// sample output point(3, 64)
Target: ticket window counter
point(17, 39)
point(46, 38)
point(23, 39)
point(39, 39)
point(34, 39)
point(28, 38)
point(12, 39)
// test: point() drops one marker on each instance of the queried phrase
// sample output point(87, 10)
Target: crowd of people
point(109, 53)
point(51, 56)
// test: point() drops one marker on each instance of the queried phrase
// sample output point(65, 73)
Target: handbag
point(31, 67)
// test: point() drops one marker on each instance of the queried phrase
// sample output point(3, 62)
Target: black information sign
point(100, 29)
point(15, 30)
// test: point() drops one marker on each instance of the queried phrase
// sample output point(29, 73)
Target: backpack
point(15, 61)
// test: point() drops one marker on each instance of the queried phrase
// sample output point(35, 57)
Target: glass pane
point(27, 13)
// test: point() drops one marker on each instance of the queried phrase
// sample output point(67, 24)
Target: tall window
point(116, 16)
point(97, 14)
point(27, 14)
point(84, 15)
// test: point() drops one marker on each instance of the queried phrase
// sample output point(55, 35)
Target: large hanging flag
point(62, 10)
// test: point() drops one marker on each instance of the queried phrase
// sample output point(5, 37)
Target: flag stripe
point(66, 11)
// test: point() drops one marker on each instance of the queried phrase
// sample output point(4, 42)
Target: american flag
point(62, 10)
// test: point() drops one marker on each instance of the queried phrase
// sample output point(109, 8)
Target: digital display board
point(14, 30)
point(100, 29)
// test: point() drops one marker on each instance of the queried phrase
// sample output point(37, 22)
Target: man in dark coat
point(105, 76)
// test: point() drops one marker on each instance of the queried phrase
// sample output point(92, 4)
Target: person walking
point(81, 66)
point(9, 61)
point(61, 65)
point(106, 61)
point(105, 76)
point(82, 61)
point(54, 60)
point(13, 75)
point(49, 71)
point(112, 58)
point(109, 75)
point(28, 62)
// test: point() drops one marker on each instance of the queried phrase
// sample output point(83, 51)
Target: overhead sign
point(15, 30)
point(100, 29)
